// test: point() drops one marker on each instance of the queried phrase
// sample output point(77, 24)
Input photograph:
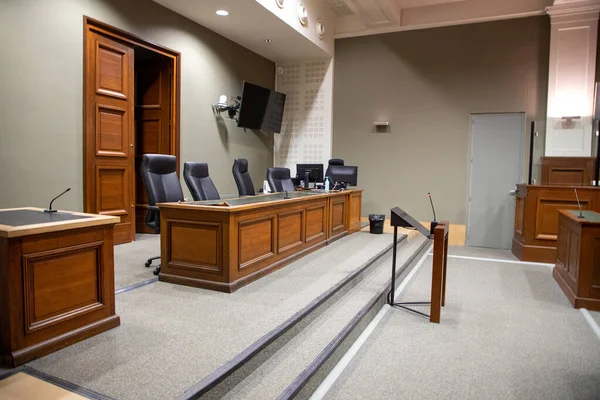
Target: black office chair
point(198, 181)
point(334, 162)
point(159, 174)
point(242, 177)
point(280, 180)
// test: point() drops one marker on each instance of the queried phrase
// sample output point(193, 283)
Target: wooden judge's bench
point(536, 217)
point(577, 269)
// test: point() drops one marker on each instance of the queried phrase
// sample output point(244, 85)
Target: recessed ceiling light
point(269, 40)
point(222, 13)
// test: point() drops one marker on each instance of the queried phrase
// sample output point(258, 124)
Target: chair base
point(149, 262)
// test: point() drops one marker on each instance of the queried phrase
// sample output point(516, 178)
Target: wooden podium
point(577, 268)
point(57, 283)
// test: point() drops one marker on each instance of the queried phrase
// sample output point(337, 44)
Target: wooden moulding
point(8, 231)
point(226, 247)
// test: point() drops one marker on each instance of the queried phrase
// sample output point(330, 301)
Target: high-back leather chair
point(280, 180)
point(242, 177)
point(335, 162)
point(159, 174)
point(198, 181)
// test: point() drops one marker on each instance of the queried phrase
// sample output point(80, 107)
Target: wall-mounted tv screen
point(261, 108)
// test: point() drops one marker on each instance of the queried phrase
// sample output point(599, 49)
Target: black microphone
point(579, 204)
point(50, 210)
point(434, 222)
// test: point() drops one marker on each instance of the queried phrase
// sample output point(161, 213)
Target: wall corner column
point(573, 39)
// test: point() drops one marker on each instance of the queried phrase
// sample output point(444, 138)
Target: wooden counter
point(577, 269)
point(226, 247)
point(56, 281)
point(536, 218)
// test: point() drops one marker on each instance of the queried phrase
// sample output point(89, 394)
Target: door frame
point(470, 157)
point(113, 33)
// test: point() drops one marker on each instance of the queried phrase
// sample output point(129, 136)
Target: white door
point(496, 141)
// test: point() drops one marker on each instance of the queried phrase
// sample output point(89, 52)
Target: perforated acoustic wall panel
point(306, 132)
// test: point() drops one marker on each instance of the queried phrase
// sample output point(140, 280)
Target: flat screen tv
point(261, 108)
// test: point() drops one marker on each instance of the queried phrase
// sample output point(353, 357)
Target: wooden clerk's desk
point(577, 269)
point(56, 281)
point(225, 244)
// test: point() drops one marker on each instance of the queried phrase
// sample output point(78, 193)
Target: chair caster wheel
point(147, 263)
point(156, 270)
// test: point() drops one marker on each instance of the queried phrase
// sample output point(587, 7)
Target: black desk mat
point(32, 217)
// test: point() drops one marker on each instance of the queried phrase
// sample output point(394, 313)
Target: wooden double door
point(130, 97)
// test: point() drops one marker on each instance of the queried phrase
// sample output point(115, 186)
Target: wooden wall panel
point(596, 266)
point(520, 215)
point(112, 137)
point(290, 230)
point(112, 74)
point(112, 190)
point(572, 255)
point(354, 215)
point(62, 285)
point(195, 245)
point(546, 220)
point(316, 223)
point(338, 215)
point(568, 171)
point(256, 240)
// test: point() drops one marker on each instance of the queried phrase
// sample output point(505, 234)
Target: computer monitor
point(343, 174)
point(315, 170)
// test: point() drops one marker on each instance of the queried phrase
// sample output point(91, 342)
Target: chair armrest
point(153, 208)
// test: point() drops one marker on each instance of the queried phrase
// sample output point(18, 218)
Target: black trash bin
point(376, 222)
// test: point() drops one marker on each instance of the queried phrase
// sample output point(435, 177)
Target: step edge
point(296, 386)
point(227, 369)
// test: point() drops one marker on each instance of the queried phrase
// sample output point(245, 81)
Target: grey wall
point(426, 84)
point(41, 90)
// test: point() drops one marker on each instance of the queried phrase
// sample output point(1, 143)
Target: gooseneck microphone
point(434, 222)
point(579, 204)
point(50, 210)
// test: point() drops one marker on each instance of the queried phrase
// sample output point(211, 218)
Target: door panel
point(495, 171)
point(152, 120)
point(109, 132)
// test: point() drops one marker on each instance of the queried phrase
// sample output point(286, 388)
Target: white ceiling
point(249, 24)
point(370, 17)
point(423, 3)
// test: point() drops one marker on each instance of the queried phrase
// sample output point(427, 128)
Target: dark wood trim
point(58, 342)
point(539, 254)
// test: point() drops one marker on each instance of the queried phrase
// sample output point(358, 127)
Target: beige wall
point(41, 145)
point(426, 84)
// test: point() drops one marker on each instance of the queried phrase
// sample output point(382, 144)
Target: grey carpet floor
point(173, 336)
point(596, 316)
point(271, 378)
point(507, 332)
point(481, 252)
point(130, 259)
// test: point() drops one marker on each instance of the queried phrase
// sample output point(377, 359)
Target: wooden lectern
point(577, 269)
point(439, 234)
